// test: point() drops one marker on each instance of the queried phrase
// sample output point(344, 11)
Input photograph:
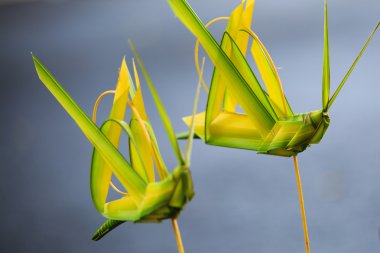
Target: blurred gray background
point(245, 202)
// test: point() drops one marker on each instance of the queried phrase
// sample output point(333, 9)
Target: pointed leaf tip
point(326, 60)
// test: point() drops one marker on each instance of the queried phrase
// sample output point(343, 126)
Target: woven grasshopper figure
point(268, 125)
point(147, 199)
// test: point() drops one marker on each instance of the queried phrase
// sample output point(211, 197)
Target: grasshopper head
point(182, 174)
point(321, 122)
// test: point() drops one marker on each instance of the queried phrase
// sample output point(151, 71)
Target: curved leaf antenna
point(96, 105)
point(94, 116)
point(196, 53)
point(268, 72)
point(192, 127)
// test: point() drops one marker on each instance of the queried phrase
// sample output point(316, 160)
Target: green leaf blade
point(326, 61)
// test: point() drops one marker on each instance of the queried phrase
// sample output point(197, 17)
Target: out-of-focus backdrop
point(244, 202)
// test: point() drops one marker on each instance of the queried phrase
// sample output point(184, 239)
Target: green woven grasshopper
point(147, 199)
point(268, 124)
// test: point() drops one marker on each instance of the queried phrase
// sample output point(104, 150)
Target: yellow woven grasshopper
point(146, 199)
point(268, 124)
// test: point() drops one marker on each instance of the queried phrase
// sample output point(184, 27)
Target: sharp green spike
point(326, 62)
